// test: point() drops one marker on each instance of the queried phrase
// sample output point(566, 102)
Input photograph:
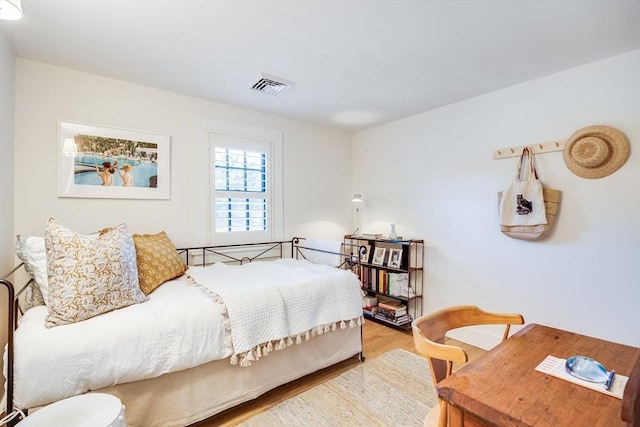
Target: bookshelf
point(391, 274)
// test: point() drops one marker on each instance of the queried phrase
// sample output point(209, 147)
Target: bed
point(240, 321)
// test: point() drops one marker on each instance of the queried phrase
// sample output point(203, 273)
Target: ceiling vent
point(271, 85)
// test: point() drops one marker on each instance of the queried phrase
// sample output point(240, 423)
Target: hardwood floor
point(377, 339)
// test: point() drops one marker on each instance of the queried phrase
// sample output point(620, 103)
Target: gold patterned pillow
point(158, 260)
point(89, 274)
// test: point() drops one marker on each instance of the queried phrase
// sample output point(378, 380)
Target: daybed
point(218, 334)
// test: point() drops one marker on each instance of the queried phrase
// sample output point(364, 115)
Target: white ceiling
point(354, 63)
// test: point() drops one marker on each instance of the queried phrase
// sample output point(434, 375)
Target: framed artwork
point(378, 256)
point(105, 162)
point(364, 257)
point(395, 257)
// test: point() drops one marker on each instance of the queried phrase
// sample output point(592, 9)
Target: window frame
point(242, 194)
point(254, 137)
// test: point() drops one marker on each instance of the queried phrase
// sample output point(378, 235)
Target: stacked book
point(371, 236)
point(370, 311)
point(393, 312)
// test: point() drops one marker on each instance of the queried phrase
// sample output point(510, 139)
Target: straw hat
point(596, 151)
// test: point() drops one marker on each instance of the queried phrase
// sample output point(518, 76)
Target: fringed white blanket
point(271, 305)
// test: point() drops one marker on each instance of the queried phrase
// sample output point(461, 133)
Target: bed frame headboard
point(243, 253)
point(236, 253)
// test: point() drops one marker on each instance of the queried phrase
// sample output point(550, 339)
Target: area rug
point(393, 389)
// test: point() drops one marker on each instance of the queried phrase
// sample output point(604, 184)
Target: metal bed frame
point(233, 253)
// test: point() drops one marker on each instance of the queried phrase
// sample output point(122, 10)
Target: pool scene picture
point(102, 162)
point(117, 162)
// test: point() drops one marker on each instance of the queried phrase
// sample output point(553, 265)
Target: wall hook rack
point(537, 148)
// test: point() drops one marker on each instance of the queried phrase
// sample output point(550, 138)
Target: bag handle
point(525, 152)
point(532, 167)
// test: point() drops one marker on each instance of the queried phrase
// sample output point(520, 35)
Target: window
point(241, 190)
point(243, 201)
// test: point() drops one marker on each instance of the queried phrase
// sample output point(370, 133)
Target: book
point(371, 236)
point(403, 320)
point(392, 314)
point(387, 316)
point(370, 311)
point(392, 306)
point(399, 284)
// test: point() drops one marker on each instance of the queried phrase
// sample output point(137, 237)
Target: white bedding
point(270, 307)
point(181, 326)
point(176, 329)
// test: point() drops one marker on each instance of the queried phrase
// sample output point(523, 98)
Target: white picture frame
point(395, 258)
point(378, 255)
point(92, 163)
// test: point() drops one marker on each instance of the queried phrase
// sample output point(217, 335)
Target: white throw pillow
point(32, 252)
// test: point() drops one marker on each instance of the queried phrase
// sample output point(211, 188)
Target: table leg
point(456, 417)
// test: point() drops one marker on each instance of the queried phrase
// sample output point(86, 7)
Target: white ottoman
point(86, 410)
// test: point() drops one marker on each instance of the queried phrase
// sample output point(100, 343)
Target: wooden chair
point(631, 398)
point(428, 335)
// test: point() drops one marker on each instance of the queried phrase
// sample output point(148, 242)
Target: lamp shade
point(357, 197)
point(10, 9)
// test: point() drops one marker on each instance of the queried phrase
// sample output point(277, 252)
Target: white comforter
point(177, 328)
point(182, 326)
point(274, 304)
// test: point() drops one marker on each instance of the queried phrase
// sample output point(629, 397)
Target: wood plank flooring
point(377, 339)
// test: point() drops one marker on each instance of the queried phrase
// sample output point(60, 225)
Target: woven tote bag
point(532, 196)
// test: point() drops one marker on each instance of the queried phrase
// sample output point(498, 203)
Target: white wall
point(434, 176)
point(7, 62)
point(431, 174)
point(317, 171)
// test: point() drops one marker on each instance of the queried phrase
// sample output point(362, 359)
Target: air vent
point(271, 85)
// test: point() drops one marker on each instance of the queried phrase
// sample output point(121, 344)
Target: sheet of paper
point(554, 366)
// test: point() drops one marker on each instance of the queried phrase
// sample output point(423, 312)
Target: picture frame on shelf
point(395, 258)
point(364, 257)
point(378, 255)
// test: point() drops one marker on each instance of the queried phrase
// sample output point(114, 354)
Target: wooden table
point(502, 387)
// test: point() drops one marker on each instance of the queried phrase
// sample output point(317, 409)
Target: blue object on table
point(585, 368)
